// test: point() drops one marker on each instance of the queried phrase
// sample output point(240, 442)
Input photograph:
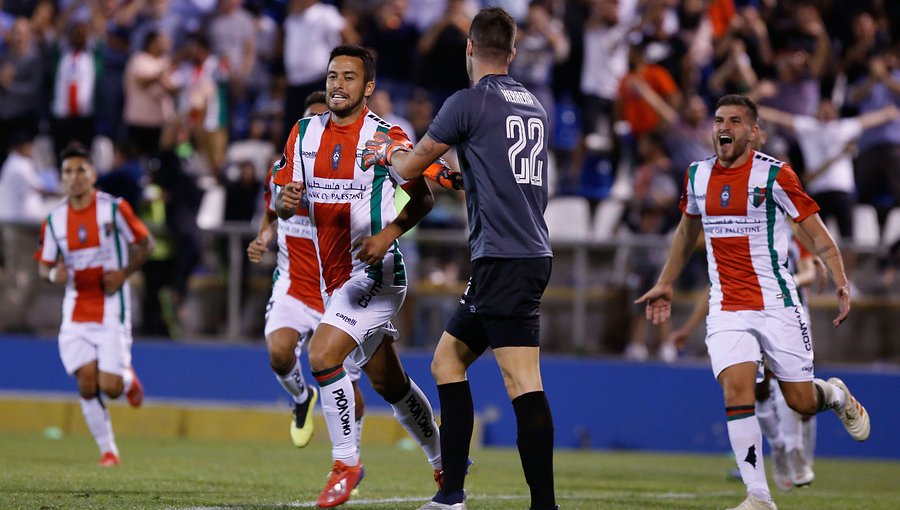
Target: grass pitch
point(45, 474)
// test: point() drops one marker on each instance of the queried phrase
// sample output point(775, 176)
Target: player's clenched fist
point(445, 176)
point(291, 195)
point(381, 148)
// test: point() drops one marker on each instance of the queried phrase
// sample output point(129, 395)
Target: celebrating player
point(93, 242)
point(741, 199)
point(500, 129)
point(354, 228)
point(296, 307)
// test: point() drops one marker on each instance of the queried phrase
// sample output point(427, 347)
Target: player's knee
point(805, 405)
point(447, 370)
point(282, 360)
point(321, 359)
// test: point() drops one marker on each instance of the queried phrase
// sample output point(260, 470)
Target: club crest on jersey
point(725, 197)
point(757, 196)
point(82, 234)
point(336, 157)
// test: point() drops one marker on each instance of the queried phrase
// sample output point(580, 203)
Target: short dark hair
point(350, 50)
point(74, 150)
point(317, 97)
point(493, 34)
point(739, 100)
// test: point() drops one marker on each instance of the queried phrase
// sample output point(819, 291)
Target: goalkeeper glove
point(445, 176)
point(379, 150)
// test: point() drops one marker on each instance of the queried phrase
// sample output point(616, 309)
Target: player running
point(741, 200)
point(363, 278)
point(92, 242)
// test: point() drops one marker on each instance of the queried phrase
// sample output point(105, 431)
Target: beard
point(347, 108)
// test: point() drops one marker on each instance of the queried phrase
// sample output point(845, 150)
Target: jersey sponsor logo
point(346, 319)
point(725, 197)
point(807, 368)
point(108, 229)
point(309, 154)
point(757, 196)
point(421, 415)
point(367, 297)
point(336, 157)
point(343, 405)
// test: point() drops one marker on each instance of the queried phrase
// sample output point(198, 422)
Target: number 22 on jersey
point(527, 169)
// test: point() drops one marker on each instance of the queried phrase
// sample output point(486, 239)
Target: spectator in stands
point(541, 43)
point(381, 103)
point(158, 16)
point(148, 89)
point(828, 143)
point(420, 112)
point(127, 178)
point(868, 39)
point(114, 22)
point(442, 53)
point(74, 85)
point(393, 42)
point(311, 30)
point(232, 35)
point(631, 106)
point(243, 194)
point(257, 148)
point(21, 189)
point(202, 100)
point(878, 165)
point(20, 84)
point(659, 27)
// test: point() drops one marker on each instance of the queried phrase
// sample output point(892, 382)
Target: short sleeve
point(451, 125)
point(128, 224)
point(283, 172)
point(688, 201)
point(789, 194)
point(48, 250)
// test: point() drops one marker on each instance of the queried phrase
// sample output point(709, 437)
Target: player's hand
point(843, 295)
point(113, 281)
point(659, 303)
point(381, 148)
point(59, 273)
point(373, 248)
point(291, 195)
point(445, 176)
point(256, 249)
point(678, 338)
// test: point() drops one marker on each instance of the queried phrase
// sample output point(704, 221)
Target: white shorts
point(284, 311)
point(83, 342)
point(781, 337)
point(363, 309)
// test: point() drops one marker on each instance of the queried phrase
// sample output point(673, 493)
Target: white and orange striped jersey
point(347, 201)
point(743, 211)
point(91, 241)
point(297, 271)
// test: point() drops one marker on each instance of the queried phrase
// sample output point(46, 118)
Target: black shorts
point(501, 304)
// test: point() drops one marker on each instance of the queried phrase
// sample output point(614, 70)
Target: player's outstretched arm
point(659, 298)
point(408, 162)
point(827, 250)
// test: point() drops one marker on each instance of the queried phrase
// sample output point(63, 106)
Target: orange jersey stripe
point(90, 299)
point(726, 193)
point(81, 227)
point(304, 272)
point(138, 229)
point(737, 276)
point(333, 236)
point(285, 174)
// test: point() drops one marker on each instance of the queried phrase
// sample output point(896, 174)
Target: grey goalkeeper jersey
point(501, 134)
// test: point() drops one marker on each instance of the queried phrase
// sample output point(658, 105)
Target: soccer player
point(741, 199)
point(296, 306)
point(355, 227)
point(500, 130)
point(93, 242)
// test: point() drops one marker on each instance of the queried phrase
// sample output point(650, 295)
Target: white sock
point(746, 442)
point(768, 422)
point(127, 379)
point(809, 438)
point(98, 422)
point(788, 422)
point(833, 396)
point(359, 425)
point(414, 412)
point(339, 408)
point(294, 384)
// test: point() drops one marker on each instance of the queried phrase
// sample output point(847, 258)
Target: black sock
point(457, 420)
point(535, 440)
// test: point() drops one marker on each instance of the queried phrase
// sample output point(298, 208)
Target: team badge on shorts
point(757, 196)
point(725, 197)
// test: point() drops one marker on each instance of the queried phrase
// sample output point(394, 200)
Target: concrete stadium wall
point(596, 403)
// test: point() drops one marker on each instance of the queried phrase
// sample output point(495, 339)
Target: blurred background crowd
point(186, 103)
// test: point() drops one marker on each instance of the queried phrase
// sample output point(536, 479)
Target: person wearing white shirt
point(20, 186)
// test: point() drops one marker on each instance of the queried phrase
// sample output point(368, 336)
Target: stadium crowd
point(180, 97)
